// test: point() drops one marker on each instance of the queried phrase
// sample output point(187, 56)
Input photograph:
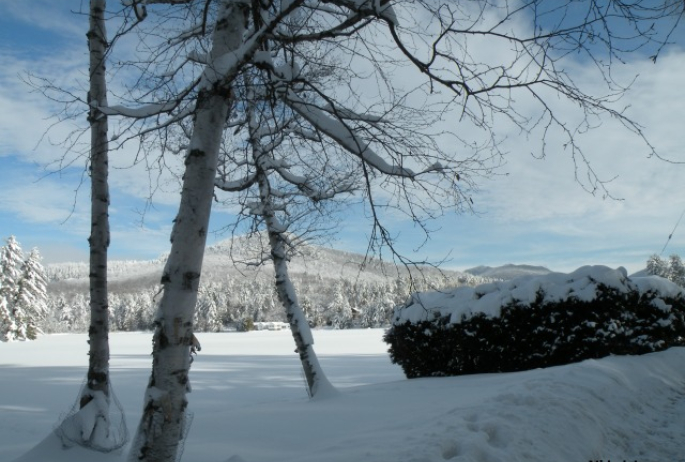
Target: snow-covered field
point(250, 405)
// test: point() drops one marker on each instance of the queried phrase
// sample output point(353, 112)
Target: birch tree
point(278, 241)
point(90, 424)
point(283, 205)
point(163, 421)
point(98, 381)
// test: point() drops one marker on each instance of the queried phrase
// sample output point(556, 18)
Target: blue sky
point(533, 211)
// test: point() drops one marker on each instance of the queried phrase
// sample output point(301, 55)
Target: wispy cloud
point(47, 15)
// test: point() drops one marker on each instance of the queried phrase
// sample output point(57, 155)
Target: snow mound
point(582, 284)
point(51, 449)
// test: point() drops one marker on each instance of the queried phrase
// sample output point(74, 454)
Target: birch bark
point(317, 382)
point(162, 424)
point(98, 371)
point(94, 431)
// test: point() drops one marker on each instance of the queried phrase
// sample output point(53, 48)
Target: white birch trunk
point(95, 430)
point(162, 424)
point(98, 372)
point(317, 382)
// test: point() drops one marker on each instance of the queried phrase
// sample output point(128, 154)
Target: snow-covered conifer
point(11, 262)
point(657, 266)
point(206, 314)
point(31, 297)
point(339, 308)
point(676, 270)
point(7, 325)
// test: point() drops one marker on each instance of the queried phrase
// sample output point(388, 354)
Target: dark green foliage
point(542, 334)
point(246, 325)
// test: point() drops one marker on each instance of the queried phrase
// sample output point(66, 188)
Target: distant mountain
point(641, 273)
point(508, 271)
point(239, 258)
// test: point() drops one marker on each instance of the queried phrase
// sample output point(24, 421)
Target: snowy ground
point(250, 405)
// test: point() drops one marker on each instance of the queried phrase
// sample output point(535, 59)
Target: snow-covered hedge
point(533, 322)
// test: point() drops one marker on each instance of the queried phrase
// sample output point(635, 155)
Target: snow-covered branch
point(142, 112)
point(236, 185)
point(376, 8)
point(347, 138)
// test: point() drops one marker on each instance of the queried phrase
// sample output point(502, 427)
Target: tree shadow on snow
point(32, 399)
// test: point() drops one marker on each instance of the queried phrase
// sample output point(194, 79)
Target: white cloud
point(542, 196)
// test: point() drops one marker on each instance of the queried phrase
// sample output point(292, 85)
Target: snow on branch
point(361, 8)
point(348, 114)
point(236, 185)
point(336, 129)
point(224, 67)
point(139, 112)
point(314, 193)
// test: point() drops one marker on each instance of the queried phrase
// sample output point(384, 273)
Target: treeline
point(238, 303)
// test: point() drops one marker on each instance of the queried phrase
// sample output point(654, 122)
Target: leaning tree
point(289, 172)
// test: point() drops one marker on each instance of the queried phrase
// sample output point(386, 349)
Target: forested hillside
point(336, 288)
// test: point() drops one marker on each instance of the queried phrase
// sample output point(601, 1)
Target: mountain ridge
point(240, 258)
point(508, 271)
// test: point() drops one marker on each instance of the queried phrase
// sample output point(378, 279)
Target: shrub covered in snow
point(528, 323)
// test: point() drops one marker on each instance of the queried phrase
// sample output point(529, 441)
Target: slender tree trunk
point(98, 371)
point(94, 431)
point(317, 381)
point(162, 424)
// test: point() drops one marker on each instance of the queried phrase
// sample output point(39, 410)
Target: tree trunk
point(162, 424)
point(302, 334)
point(92, 429)
point(98, 371)
point(317, 382)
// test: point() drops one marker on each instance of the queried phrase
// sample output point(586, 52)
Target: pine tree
point(31, 297)
point(339, 308)
point(7, 325)
point(64, 313)
point(11, 261)
point(676, 270)
point(206, 314)
point(656, 266)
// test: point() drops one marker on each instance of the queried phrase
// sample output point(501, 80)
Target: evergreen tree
point(676, 270)
point(656, 266)
point(65, 314)
point(7, 325)
point(11, 262)
point(31, 297)
point(339, 309)
point(206, 314)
